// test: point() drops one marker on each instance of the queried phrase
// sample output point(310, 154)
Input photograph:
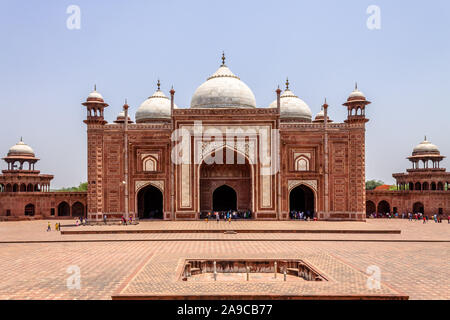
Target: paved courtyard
point(414, 263)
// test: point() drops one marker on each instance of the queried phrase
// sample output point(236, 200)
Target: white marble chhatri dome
point(156, 107)
point(21, 149)
point(223, 90)
point(356, 93)
point(426, 147)
point(292, 106)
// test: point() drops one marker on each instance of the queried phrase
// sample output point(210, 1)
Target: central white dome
point(223, 90)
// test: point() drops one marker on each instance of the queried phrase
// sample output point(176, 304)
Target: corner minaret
point(356, 119)
point(356, 106)
point(95, 126)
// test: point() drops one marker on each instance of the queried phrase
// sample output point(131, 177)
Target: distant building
point(422, 189)
point(25, 192)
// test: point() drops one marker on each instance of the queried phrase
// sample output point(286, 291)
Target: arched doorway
point(384, 207)
point(29, 209)
point(77, 209)
point(63, 209)
point(301, 199)
point(233, 171)
point(370, 207)
point(418, 207)
point(224, 198)
point(150, 203)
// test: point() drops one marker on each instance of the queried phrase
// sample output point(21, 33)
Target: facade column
point(172, 164)
point(126, 182)
point(325, 143)
point(278, 160)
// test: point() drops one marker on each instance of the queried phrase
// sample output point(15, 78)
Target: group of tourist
point(300, 215)
point(225, 215)
point(418, 216)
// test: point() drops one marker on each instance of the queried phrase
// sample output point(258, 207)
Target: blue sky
point(47, 70)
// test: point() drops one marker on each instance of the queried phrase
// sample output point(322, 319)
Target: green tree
point(81, 187)
point(372, 184)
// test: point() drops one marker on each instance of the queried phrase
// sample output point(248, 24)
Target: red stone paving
point(38, 270)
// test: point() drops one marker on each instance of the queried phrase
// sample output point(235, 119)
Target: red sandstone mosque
point(222, 153)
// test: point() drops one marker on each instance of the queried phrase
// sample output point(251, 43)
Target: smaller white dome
point(292, 106)
point(425, 147)
point(156, 107)
point(121, 117)
point(357, 94)
point(20, 148)
point(320, 116)
point(95, 95)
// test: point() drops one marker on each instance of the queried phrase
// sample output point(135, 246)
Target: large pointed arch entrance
point(225, 184)
point(150, 203)
point(301, 199)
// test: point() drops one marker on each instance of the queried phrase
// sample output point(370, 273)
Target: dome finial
point(158, 84)
point(425, 138)
point(223, 58)
point(287, 83)
point(21, 140)
point(95, 87)
point(356, 85)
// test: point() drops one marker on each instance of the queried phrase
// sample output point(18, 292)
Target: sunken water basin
point(249, 270)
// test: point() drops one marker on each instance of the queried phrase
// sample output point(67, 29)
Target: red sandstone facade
point(321, 163)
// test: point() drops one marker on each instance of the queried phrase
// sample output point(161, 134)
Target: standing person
point(104, 218)
point(49, 228)
point(217, 217)
point(448, 219)
point(424, 219)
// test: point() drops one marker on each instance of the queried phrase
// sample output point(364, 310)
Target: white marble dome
point(426, 147)
point(95, 95)
point(156, 107)
point(357, 94)
point(223, 90)
point(293, 107)
point(21, 149)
